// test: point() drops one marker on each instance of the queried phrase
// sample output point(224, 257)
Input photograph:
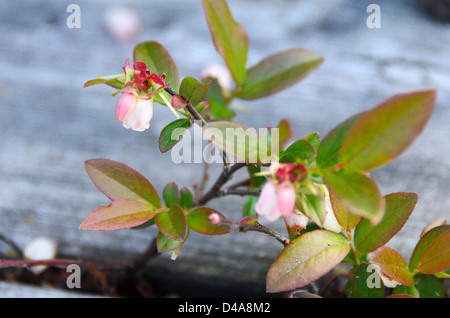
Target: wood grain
point(50, 125)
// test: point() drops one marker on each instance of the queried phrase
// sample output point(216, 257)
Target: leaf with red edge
point(392, 265)
point(369, 237)
point(118, 181)
point(158, 60)
point(239, 141)
point(198, 220)
point(436, 257)
point(165, 244)
point(229, 37)
point(384, 132)
point(424, 242)
point(347, 220)
point(120, 214)
point(330, 147)
point(305, 259)
point(117, 83)
point(357, 192)
point(278, 71)
point(193, 91)
point(172, 223)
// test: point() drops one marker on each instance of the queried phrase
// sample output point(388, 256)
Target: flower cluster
point(278, 198)
point(135, 107)
point(278, 195)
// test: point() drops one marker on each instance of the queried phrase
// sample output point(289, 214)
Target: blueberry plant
point(321, 188)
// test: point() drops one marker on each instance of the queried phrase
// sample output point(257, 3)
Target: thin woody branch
point(242, 193)
point(246, 227)
point(223, 178)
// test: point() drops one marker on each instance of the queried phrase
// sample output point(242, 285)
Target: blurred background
point(50, 125)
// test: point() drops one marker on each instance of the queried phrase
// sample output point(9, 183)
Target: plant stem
point(214, 191)
point(188, 107)
point(242, 193)
point(245, 227)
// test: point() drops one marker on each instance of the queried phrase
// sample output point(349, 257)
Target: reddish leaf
point(345, 219)
point(384, 132)
point(229, 37)
point(305, 259)
point(436, 257)
point(120, 214)
point(278, 71)
point(424, 242)
point(392, 265)
point(369, 237)
point(118, 181)
point(239, 141)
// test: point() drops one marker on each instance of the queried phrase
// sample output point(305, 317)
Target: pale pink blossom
point(286, 198)
point(276, 201)
point(141, 114)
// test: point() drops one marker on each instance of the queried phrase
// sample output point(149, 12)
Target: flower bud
point(296, 221)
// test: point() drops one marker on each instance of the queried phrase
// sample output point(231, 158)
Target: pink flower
point(276, 201)
point(134, 112)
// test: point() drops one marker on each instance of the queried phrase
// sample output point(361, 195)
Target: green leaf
point(436, 256)
point(120, 214)
point(329, 149)
point(406, 290)
point(248, 210)
point(313, 206)
point(118, 181)
point(239, 141)
point(305, 259)
point(345, 219)
point(165, 244)
point(229, 37)
point(256, 182)
point(277, 72)
point(186, 198)
point(158, 61)
point(117, 83)
point(364, 283)
point(192, 90)
point(399, 207)
point(430, 286)
point(300, 149)
point(172, 134)
point(314, 140)
point(198, 221)
point(392, 265)
point(172, 223)
point(171, 194)
point(384, 132)
point(423, 243)
point(220, 111)
point(358, 193)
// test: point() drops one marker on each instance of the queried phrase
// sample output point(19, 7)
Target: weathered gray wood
point(50, 125)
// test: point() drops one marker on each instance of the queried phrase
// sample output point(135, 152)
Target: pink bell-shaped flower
point(276, 201)
point(134, 112)
point(286, 198)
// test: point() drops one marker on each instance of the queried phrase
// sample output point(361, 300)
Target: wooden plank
point(50, 126)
